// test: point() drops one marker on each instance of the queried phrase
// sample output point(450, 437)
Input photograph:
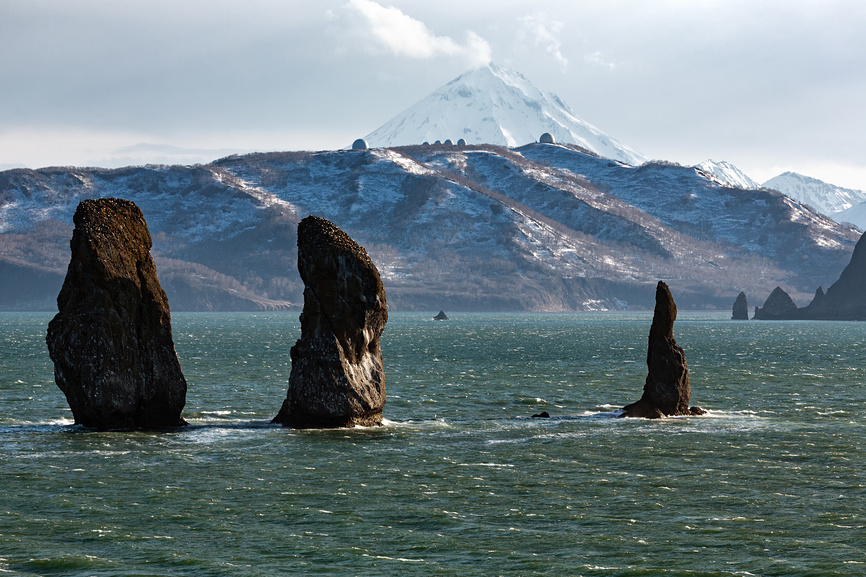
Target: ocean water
point(460, 480)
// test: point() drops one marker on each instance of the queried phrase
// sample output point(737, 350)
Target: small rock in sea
point(338, 377)
point(542, 415)
point(741, 308)
point(666, 391)
point(441, 316)
point(111, 342)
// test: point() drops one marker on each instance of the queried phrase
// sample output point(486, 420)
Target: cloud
point(598, 59)
point(544, 33)
point(388, 29)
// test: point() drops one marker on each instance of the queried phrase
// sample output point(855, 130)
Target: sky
point(769, 86)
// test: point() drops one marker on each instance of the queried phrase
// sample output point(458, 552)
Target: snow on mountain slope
point(493, 105)
point(54, 193)
point(761, 222)
point(856, 215)
point(727, 173)
point(826, 198)
point(543, 227)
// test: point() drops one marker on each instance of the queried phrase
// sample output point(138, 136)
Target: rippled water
point(460, 481)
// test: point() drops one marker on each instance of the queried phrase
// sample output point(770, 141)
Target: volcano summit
point(493, 105)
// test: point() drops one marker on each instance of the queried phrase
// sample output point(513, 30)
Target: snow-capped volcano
point(822, 196)
point(493, 105)
point(727, 173)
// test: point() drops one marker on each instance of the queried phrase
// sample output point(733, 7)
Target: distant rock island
point(111, 341)
point(441, 316)
point(338, 377)
point(667, 391)
point(779, 306)
point(741, 308)
point(845, 300)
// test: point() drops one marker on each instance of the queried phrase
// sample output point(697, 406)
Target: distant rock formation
point(337, 377)
point(778, 307)
point(817, 308)
point(667, 391)
point(441, 316)
point(741, 308)
point(111, 342)
point(846, 298)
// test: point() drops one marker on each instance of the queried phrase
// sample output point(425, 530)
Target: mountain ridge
point(826, 198)
point(541, 227)
point(727, 173)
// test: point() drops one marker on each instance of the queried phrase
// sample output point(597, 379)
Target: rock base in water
point(111, 341)
point(338, 377)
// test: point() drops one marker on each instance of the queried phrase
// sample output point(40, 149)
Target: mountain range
point(580, 224)
point(840, 204)
point(540, 227)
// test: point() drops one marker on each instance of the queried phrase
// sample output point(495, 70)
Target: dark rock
point(778, 307)
point(441, 316)
point(741, 308)
point(846, 298)
point(337, 377)
point(666, 391)
point(542, 415)
point(820, 308)
point(111, 342)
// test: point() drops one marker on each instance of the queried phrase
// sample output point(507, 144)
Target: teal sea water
point(460, 481)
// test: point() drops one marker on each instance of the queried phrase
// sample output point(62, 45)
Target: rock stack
point(111, 341)
point(337, 377)
point(779, 306)
point(667, 391)
point(741, 308)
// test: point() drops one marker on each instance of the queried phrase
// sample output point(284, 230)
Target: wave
point(229, 421)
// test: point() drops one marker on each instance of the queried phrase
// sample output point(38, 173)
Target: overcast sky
point(766, 85)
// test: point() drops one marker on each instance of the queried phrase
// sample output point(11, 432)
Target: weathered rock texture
point(741, 308)
point(337, 377)
point(111, 342)
point(778, 307)
point(667, 391)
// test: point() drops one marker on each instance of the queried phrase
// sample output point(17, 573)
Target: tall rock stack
point(111, 341)
point(337, 378)
point(666, 392)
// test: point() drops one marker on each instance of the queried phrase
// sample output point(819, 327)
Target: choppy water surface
point(460, 481)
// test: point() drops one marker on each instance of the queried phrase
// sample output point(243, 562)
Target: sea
point(461, 479)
